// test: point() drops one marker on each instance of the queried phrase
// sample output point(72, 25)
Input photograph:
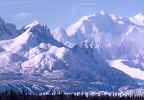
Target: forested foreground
point(62, 96)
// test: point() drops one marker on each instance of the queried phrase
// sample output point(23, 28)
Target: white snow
point(14, 45)
point(138, 19)
point(59, 52)
point(32, 25)
point(74, 27)
point(113, 17)
point(102, 12)
point(133, 72)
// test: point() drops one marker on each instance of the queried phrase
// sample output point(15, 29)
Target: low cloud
point(21, 18)
point(23, 15)
point(88, 4)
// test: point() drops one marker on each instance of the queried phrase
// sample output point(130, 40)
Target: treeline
point(61, 96)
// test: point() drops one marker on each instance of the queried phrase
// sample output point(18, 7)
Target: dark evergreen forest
point(61, 96)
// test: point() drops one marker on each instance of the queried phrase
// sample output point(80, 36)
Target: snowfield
point(133, 72)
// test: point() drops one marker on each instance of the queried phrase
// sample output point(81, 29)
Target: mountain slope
point(75, 59)
point(114, 38)
point(7, 30)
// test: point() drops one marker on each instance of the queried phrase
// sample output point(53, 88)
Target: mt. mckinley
point(100, 52)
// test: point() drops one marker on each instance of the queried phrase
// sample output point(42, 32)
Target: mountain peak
point(99, 21)
point(35, 23)
point(74, 27)
point(138, 19)
point(102, 12)
point(141, 14)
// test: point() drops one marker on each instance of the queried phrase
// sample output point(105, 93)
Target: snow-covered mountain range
point(100, 52)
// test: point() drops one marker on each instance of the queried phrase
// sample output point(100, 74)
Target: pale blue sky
point(63, 12)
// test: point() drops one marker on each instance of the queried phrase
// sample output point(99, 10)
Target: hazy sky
point(63, 12)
